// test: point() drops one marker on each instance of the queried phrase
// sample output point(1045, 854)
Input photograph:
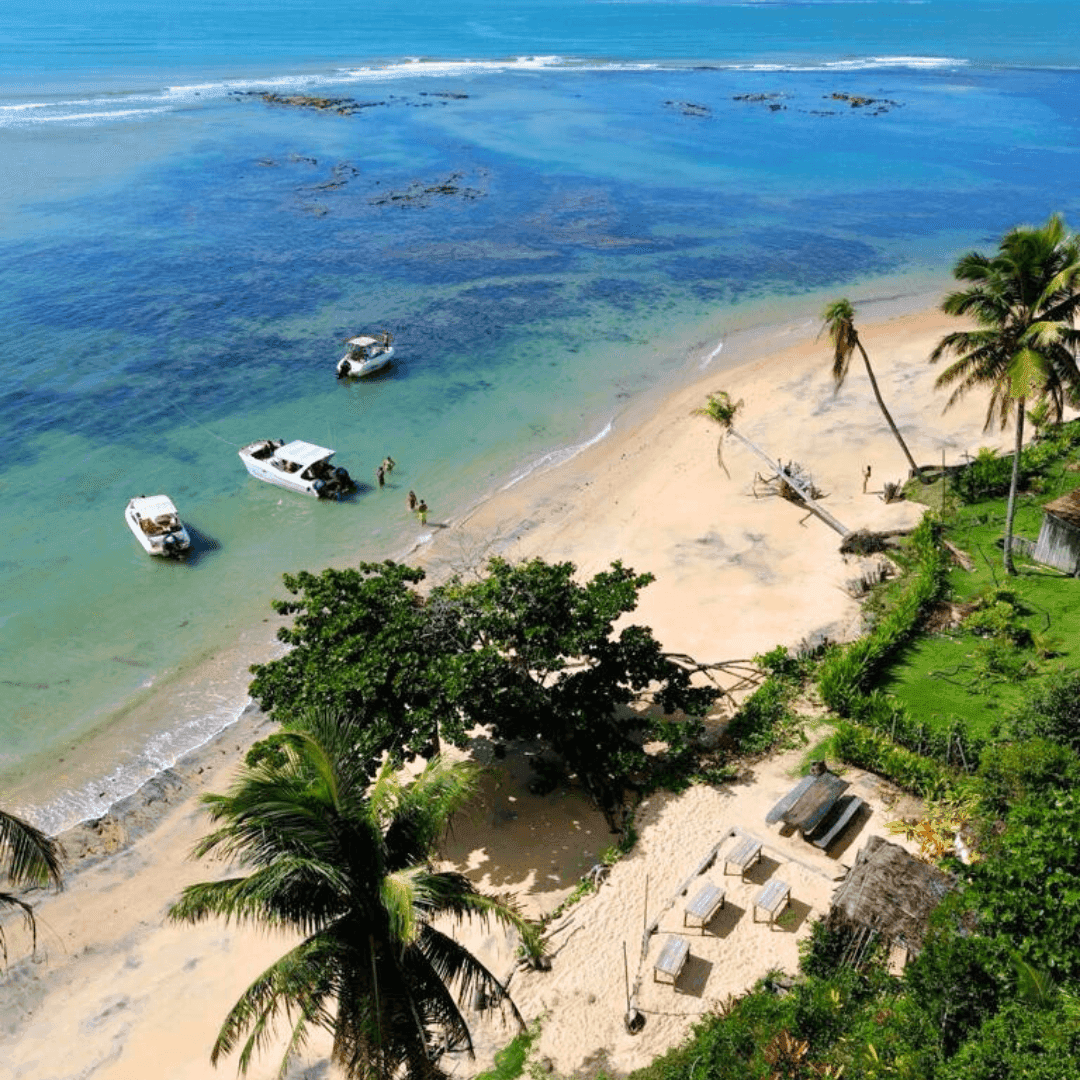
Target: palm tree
point(838, 319)
point(1023, 300)
point(349, 867)
point(721, 410)
point(28, 858)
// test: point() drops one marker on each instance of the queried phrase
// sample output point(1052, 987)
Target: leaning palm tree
point(27, 858)
point(348, 865)
point(721, 410)
point(1024, 300)
point(838, 320)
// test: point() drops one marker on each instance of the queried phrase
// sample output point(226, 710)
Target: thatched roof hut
point(1059, 538)
point(890, 892)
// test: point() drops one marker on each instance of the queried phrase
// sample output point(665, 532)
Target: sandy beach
point(115, 993)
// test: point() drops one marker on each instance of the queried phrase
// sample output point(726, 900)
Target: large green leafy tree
point(28, 858)
point(364, 643)
point(546, 663)
point(347, 865)
point(523, 648)
point(838, 321)
point(1023, 300)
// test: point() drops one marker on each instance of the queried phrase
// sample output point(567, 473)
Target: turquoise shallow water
point(180, 261)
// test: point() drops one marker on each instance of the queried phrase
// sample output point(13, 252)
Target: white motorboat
point(365, 355)
point(298, 466)
point(157, 526)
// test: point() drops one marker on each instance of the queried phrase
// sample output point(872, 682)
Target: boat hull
point(269, 461)
point(350, 367)
point(169, 541)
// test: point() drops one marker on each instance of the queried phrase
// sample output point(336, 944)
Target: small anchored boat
point(365, 355)
point(298, 466)
point(157, 526)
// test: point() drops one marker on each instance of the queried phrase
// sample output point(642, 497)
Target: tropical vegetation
point(347, 865)
point(28, 859)
point(1023, 300)
point(523, 648)
point(838, 321)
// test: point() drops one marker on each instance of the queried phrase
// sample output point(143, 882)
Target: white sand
point(119, 995)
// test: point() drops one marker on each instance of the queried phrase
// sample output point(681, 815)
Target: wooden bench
point(773, 898)
point(707, 901)
point(847, 812)
point(743, 855)
point(672, 959)
point(789, 800)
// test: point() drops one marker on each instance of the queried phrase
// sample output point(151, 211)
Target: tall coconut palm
point(1024, 300)
point(349, 867)
point(27, 858)
point(838, 320)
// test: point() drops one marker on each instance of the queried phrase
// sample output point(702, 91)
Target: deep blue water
point(551, 210)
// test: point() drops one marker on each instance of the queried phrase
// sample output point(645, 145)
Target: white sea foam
point(712, 356)
point(557, 457)
point(22, 120)
point(161, 751)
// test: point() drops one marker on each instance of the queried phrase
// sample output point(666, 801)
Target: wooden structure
point(887, 893)
point(672, 959)
point(1059, 538)
point(708, 900)
point(772, 899)
point(843, 810)
point(817, 807)
point(743, 855)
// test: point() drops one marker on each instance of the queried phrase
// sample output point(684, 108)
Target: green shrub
point(867, 749)
point(1051, 711)
point(1010, 772)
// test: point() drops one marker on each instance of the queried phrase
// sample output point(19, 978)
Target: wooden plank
point(773, 898)
point(672, 958)
point(789, 800)
point(846, 814)
point(708, 900)
point(810, 809)
point(744, 855)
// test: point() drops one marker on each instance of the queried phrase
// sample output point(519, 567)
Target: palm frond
point(301, 981)
point(10, 900)
point(28, 856)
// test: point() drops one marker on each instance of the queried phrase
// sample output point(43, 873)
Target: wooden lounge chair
point(847, 806)
point(743, 855)
point(672, 959)
point(708, 900)
point(773, 899)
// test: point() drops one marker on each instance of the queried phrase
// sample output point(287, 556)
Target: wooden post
point(626, 976)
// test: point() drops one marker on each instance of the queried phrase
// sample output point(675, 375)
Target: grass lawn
point(958, 673)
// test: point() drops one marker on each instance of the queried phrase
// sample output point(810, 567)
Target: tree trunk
point(811, 504)
point(915, 470)
point(1014, 483)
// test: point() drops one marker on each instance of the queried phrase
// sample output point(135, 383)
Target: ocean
point(556, 208)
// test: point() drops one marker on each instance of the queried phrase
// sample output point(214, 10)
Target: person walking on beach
point(380, 476)
point(421, 511)
point(865, 478)
point(410, 502)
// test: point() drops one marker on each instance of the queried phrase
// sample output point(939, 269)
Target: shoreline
point(735, 575)
point(126, 771)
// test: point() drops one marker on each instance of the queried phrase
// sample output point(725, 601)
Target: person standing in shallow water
point(421, 511)
point(388, 464)
point(411, 501)
point(380, 476)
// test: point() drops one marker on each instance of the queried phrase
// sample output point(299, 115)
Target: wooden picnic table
point(707, 901)
point(773, 898)
point(743, 855)
point(811, 803)
point(672, 958)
